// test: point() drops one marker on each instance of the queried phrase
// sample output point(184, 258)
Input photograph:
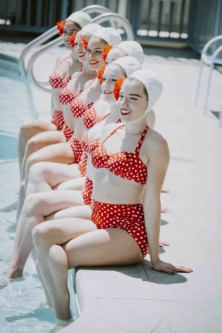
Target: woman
point(125, 48)
point(46, 176)
point(65, 96)
point(71, 152)
point(39, 205)
point(65, 67)
point(120, 227)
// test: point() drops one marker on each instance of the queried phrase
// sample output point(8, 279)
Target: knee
point(35, 173)
point(42, 234)
point(32, 159)
point(32, 144)
point(24, 130)
point(22, 187)
point(32, 204)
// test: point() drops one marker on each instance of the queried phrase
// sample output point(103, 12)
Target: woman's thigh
point(104, 247)
point(51, 173)
point(33, 127)
point(61, 231)
point(81, 212)
point(47, 203)
point(58, 153)
point(72, 184)
point(45, 139)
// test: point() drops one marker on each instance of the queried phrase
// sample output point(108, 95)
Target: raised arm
point(157, 168)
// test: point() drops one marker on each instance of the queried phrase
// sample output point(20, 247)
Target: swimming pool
point(23, 306)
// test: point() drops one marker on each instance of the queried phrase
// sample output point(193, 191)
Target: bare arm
point(157, 168)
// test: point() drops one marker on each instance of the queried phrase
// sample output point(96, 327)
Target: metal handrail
point(50, 33)
point(205, 60)
point(59, 41)
point(209, 80)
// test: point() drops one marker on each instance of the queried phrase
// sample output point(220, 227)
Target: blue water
point(23, 306)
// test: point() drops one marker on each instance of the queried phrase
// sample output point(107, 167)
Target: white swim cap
point(91, 28)
point(129, 64)
point(132, 49)
point(109, 35)
point(80, 18)
point(152, 84)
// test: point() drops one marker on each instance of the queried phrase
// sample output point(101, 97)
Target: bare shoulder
point(156, 145)
point(88, 83)
point(60, 58)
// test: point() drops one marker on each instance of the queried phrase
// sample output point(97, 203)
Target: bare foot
point(4, 282)
point(164, 190)
point(165, 210)
point(61, 324)
point(163, 243)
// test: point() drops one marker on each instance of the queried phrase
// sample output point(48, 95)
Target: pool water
point(23, 306)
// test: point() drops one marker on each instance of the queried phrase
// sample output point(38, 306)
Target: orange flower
point(106, 50)
point(60, 26)
point(117, 87)
point(84, 42)
point(100, 74)
point(72, 40)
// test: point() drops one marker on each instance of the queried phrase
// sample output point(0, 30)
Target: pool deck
point(136, 298)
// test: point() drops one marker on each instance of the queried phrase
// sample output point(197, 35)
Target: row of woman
point(91, 180)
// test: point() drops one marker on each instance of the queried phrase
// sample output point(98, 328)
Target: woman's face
point(132, 100)
point(114, 54)
point(95, 53)
point(80, 50)
point(70, 29)
point(110, 76)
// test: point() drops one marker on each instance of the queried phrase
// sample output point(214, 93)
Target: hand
point(164, 190)
point(163, 243)
point(169, 268)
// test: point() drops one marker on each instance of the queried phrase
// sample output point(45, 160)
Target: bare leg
point(27, 131)
point(40, 141)
point(45, 176)
point(82, 212)
point(59, 153)
point(21, 200)
point(48, 300)
point(36, 207)
point(105, 247)
point(72, 184)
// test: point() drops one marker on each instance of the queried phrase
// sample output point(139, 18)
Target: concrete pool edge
point(117, 299)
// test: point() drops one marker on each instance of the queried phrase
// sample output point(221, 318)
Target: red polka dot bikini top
point(66, 96)
point(56, 81)
point(90, 145)
point(91, 118)
point(126, 165)
point(78, 108)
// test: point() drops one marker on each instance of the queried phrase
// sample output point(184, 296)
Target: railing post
point(122, 7)
point(136, 7)
point(64, 9)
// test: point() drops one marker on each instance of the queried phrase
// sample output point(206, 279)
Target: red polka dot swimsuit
point(90, 118)
point(78, 108)
point(66, 96)
point(75, 144)
point(129, 166)
point(56, 81)
point(89, 146)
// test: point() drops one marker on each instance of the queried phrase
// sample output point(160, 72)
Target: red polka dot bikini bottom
point(76, 148)
point(68, 133)
point(58, 119)
point(126, 217)
point(87, 191)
